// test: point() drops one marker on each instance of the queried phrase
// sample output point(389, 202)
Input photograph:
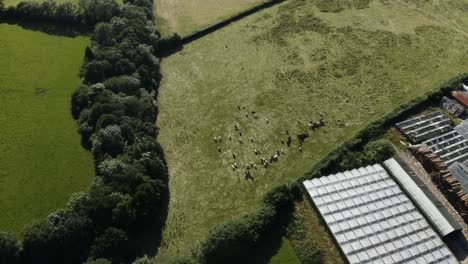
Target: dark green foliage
point(116, 113)
point(113, 240)
point(86, 13)
point(233, 240)
point(143, 260)
point(123, 84)
point(95, 11)
point(79, 100)
point(62, 238)
point(169, 44)
point(374, 152)
point(305, 247)
point(9, 248)
point(98, 261)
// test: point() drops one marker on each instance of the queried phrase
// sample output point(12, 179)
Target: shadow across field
point(65, 30)
point(149, 239)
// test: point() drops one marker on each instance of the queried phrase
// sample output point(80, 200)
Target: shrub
point(9, 248)
point(232, 241)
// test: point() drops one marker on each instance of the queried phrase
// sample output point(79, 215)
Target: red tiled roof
point(461, 97)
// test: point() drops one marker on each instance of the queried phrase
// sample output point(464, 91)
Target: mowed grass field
point(288, 63)
point(182, 17)
point(41, 160)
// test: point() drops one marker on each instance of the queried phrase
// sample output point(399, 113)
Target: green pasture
point(41, 160)
point(183, 16)
point(288, 63)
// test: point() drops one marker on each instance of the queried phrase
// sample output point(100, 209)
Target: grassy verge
point(287, 64)
point(41, 159)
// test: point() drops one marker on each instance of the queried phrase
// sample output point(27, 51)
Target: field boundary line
point(194, 35)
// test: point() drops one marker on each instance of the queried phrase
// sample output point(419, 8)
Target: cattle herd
point(271, 158)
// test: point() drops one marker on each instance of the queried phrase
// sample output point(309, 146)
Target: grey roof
point(460, 172)
point(373, 220)
point(434, 211)
point(452, 106)
point(426, 126)
point(450, 147)
point(462, 129)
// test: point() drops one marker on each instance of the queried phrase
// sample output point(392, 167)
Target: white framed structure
point(373, 220)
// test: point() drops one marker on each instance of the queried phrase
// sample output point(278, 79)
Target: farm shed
point(460, 172)
point(451, 147)
point(462, 97)
point(373, 220)
point(452, 107)
point(430, 206)
point(462, 129)
point(424, 127)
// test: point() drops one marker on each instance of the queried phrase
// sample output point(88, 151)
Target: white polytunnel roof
point(429, 209)
point(373, 220)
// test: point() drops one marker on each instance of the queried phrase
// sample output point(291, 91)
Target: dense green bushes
point(87, 12)
point(116, 112)
point(235, 240)
point(9, 248)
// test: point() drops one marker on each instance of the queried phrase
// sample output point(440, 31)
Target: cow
point(302, 136)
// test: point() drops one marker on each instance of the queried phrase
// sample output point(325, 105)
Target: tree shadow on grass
point(272, 242)
point(263, 253)
point(65, 30)
point(147, 241)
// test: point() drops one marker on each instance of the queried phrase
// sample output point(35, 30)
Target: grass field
point(289, 63)
point(42, 162)
point(183, 16)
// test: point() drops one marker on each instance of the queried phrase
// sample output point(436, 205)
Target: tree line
point(86, 12)
point(116, 111)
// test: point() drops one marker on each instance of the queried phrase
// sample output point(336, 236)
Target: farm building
point(461, 97)
point(453, 107)
point(425, 126)
point(374, 220)
point(436, 131)
point(451, 147)
point(460, 172)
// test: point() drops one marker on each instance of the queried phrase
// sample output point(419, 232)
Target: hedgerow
point(116, 111)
